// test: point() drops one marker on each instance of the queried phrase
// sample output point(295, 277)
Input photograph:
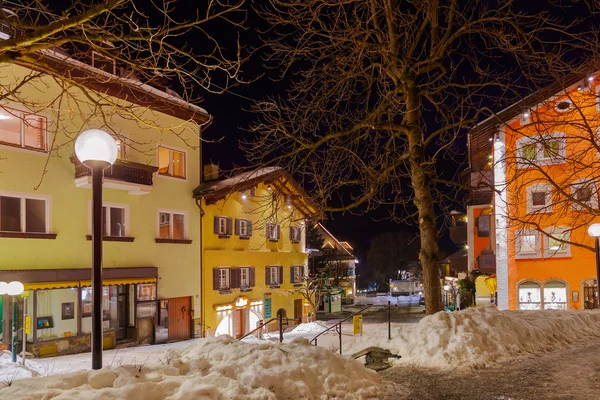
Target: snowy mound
point(483, 335)
point(311, 327)
point(216, 368)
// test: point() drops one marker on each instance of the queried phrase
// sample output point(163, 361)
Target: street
point(569, 374)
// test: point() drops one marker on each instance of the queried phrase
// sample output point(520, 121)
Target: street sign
point(28, 325)
point(357, 324)
point(267, 305)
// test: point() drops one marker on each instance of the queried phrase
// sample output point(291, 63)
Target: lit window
point(295, 233)
point(545, 149)
point(243, 228)
point(529, 296)
point(556, 242)
point(171, 162)
point(555, 296)
point(22, 214)
point(273, 275)
point(223, 278)
point(244, 277)
point(551, 148)
point(23, 129)
point(296, 274)
point(171, 225)
point(530, 152)
point(113, 221)
point(273, 232)
point(528, 244)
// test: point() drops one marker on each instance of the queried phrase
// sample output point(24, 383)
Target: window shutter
point(249, 228)
point(292, 234)
point(277, 232)
point(216, 279)
point(229, 223)
point(280, 275)
point(268, 275)
point(237, 226)
point(292, 275)
point(235, 278)
point(252, 277)
point(268, 231)
point(217, 225)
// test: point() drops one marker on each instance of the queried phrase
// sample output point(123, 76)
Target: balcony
point(487, 262)
point(458, 234)
point(482, 183)
point(133, 177)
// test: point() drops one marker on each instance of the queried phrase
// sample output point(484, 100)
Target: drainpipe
point(199, 205)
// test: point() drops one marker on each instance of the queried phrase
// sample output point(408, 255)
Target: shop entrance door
point(589, 295)
point(122, 312)
point(298, 311)
point(180, 323)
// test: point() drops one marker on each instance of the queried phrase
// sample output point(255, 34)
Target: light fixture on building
point(96, 150)
point(590, 79)
point(466, 247)
point(498, 143)
point(244, 195)
point(269, 188)
point(289, 202)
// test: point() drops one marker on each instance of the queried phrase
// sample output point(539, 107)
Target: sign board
point(357, 321)
point(267, 305)
point(28, 325)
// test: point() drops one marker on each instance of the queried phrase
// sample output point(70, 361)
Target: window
point(539, 198)
point(223, 226)
point(23, 214)
point(556, 242)
point(110, 319)
point(296, 274)
point(22, 129)
point(172, 225)
point(584, 193)
point(295, 232)
point(529, 296)
point(104, 63)
point(528, 244)
point(243, 228)
point(273, 232)
point(221, 279)
point(545, 149)
point(555, 296)
point(114, 221)
point(244, 277)
point(121, 153)
point(171, 162)
point(274, 275)
point(57, 313)
point(563, 105)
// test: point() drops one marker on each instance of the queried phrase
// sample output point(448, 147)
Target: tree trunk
point(429, 252)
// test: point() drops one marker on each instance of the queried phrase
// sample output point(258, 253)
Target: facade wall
point(51, 176)
point(257, 252)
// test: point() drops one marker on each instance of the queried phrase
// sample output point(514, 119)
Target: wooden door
point(180, 323)
point(590, 301)
point(298, 311)
point(238, 323)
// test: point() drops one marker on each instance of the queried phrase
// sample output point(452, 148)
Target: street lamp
point(13, 289)
point(96, 150)
point(594, 231)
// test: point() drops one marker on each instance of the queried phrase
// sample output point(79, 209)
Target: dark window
point(583, 194)
point(10, 214)
point(35, 215)
point(538, 199)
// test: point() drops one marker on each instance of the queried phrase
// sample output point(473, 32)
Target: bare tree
point(390, 253)
point(380, 91)
point(110, 58)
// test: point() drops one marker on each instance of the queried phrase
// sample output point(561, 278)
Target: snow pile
point(216, 368)
point(311, 327)
point(482, 335)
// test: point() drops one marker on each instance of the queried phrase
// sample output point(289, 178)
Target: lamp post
point(594, 231)
point(13, 289)
point(96, 150)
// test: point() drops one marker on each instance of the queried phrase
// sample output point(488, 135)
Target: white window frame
point(593, 203)
point(556, 231)
point(171, 212)
point(126, 233)
point(539, 142)
point(244, 270)
point(273, 232)
point(537, 188)
point(298, 271)
point(222, 224)
point(24, 197)
point(274, 272)
point(227, 276)
point(169, 173)
point(23, 113)
point(243, 228)
point(518, 237)
point(296, 234)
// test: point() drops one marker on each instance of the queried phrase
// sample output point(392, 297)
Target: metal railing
point(279, 318)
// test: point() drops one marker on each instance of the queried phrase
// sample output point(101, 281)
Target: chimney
point(211, 172)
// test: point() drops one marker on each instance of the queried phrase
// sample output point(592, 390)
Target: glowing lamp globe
point(15, 288)
point(96, 148)
point(3, 288)
point(594, 230)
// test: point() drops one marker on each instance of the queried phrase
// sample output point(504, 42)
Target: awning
point(121, 281)
point(51, 285)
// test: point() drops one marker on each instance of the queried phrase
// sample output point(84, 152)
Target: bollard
point(389, 320)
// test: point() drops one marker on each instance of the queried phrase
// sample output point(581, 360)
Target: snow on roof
point(216, 368)
point(236, 180)
point(333, 237)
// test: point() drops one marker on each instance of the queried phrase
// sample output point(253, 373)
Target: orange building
point(534, 168)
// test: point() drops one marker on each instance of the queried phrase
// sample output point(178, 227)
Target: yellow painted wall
point(256, 252)
point(22, 171)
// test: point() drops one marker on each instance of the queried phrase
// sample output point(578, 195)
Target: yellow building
point(152, 224)
point(253, 249)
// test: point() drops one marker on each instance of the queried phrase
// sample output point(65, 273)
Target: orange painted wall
point(581, 264)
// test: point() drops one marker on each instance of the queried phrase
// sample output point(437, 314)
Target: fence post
point(280, 327)
point(389, 320)
point(339, 329)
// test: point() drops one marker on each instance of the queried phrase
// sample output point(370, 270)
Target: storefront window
point(555, 296)
point(109, 308)
point(56, 313)
point(529, 296)
point(131, 308)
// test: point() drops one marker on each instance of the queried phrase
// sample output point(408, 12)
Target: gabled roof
point(280, 179)
point(342, 245)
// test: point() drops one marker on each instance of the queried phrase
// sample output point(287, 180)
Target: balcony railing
point(126, 175)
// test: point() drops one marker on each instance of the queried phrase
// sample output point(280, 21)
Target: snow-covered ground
point(215, 368)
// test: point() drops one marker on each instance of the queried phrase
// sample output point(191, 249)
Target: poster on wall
point(87, 309)
point(67, 310)
point(45, 323)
